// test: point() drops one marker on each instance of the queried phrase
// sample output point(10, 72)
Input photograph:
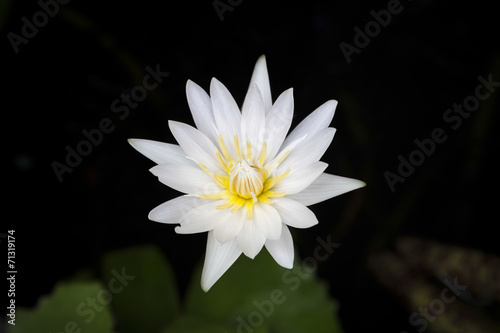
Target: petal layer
point(201, 218)
point(282, 249)
point(226, 113)
point(201, 109)
point(229, 225)
point(250, 239)
point(186, 179)
point(318, 120)
point(326, 186)
point(278, 122)
point(294, 213)
point(172, 210)
point(299, 179)
point(253, 121)
point(160, 152)
point(260, 77)
point(267, 220)
point(308, 152)
point(218, 258)
point(196, 145)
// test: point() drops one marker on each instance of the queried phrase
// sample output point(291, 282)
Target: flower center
point(246, 180)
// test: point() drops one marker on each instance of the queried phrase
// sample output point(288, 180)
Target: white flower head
point(245, 182)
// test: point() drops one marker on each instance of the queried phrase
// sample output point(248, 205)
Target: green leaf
point(197, 324)
point(145, 297)
point(257, 293)
point(72, 307)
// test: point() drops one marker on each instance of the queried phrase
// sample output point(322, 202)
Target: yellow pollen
point(223, 148)
point(263, 153)
point(249, 151)
point(246, 180)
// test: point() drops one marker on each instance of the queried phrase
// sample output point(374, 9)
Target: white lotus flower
point(244, 182)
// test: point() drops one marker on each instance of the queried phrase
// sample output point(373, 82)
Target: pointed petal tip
point(214, 81)
point(332, 103)
point(355, 183)
point(205, 288)
point(134, 142)
point(261, 60)
point(206, 284)
point(282, 250)
point(153, 217)
point(154, 170)
point(189, 85)
point(218, 259)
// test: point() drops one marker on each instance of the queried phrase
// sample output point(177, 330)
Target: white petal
point(201, 109)
point(326, 186)
point(299, 179)
point(201, 218)
point(196, 145)
point(271, 165)
point(282, 249)
point(278, 122)
point(267, 220)
point(309, 152)
point(226, 112)
point(260, 77)
point(172, 210)
point(160, 152)
point(253, 120)
point(218, 259)
point(318, 120)
point(229, 225)
point(250, 239)
point(185, 178)
point(294, 214)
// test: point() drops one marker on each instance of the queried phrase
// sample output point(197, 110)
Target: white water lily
point(244, 181)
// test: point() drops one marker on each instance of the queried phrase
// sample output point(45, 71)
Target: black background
point(394, 91)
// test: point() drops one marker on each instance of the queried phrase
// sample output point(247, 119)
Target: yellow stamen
point(221, 195)
point(245, 182)
point(234, 200)
point(204, 168)
point(222, 146)
point(274, 164)
point(246, 179)
point(271, 194)
point(269, 183)
point(222, 162)
point(249, 207)
point(249, 151)
point(237, 148)
point(263, 153)
point(263, 198)
point(222, 181)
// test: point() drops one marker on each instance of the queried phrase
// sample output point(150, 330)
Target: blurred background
point(400, 239)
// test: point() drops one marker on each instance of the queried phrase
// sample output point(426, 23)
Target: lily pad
point(199, 324)
point(257, 293)
point(145, 296)
point(72, 307)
